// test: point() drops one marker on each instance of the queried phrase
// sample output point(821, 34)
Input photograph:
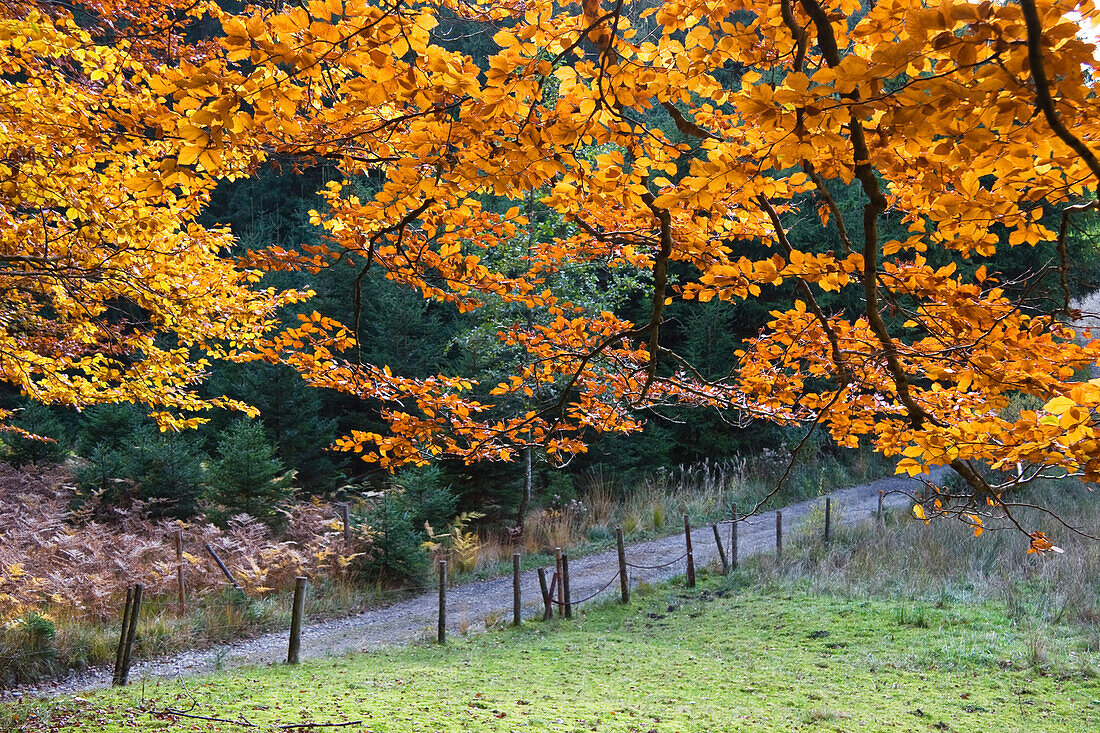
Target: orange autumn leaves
point(112, 292)
point(682, 137)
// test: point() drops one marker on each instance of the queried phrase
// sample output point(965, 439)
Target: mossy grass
point(720, 657)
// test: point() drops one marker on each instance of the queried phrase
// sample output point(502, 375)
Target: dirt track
point(469, 604)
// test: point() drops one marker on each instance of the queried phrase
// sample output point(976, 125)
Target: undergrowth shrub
point(64, 574)
point(27, 647)
point(57, 559)
point(401, 516)
point(459, 545)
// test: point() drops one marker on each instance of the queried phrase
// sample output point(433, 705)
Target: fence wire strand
point(590, 597)
point(656, 567)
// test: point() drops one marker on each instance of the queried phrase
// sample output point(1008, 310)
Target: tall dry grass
point(656, 504)
point(944, 562)
point(1045, 610)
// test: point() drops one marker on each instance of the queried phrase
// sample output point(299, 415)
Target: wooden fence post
point(558, 576)
point(548, 613)
point(117, 678)
point(828, 518)
point(690, 554)
point(224, 569)
point(179, 569)
point(881, 517)
point(296, 613)
point(733, 537)
point(131, 632)
point(517, 615)
point(565, 585)
point(778, 535)
point(721, 550)
point(624, 583)
point(441, 632)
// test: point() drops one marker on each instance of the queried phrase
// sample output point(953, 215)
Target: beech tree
point(961, 120)
point(111, 291)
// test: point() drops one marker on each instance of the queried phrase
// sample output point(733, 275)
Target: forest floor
point(479, 605)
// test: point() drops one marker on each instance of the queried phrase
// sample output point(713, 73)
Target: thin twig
point(248, 724)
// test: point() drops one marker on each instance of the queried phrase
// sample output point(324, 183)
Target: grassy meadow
point(916, 628)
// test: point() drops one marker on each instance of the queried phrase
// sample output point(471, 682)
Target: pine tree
point(247, 477)
point(167, 469)
point(51, 444)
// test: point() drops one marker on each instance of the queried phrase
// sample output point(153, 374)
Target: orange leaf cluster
point(961, 120)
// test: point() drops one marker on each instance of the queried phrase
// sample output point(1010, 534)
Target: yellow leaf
point(1059, 405)
point(189, 154)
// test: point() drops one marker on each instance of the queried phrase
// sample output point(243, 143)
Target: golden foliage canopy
point(960, 119)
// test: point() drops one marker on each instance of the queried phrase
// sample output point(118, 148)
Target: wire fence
point(556, 594)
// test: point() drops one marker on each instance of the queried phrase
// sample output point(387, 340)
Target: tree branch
point(830, 203)
point(397, 227)
point(875, 206)
point(834, 341)
point(799, 33)
point(1043, 99)
point(660, 283)
point(1063, 254)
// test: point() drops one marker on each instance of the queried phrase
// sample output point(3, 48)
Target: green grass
point(716, 658)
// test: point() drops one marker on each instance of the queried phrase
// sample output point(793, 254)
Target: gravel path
point(469, 604)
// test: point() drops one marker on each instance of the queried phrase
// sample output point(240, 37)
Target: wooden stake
point(179, 569)
point(624, 582)
point(560, 576)
point(881, 517)
point(554, 581)
point(733, 537)
point(516, 613)
point(828, 518)
point(224, 569)
point(441, 633)
point(131, 632)
point(565, 585)
point(548, 613)
point(296, 614)
point(721, 550)
point(779, 535)
point(690, 555)
point(117, 678)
